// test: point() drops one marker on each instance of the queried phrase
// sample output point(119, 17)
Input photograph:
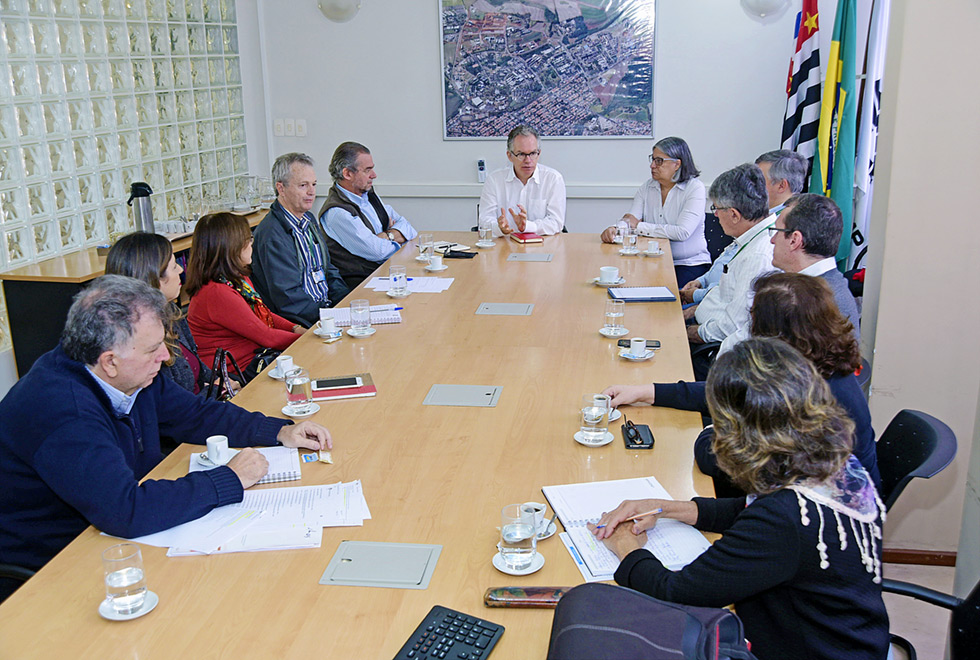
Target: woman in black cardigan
point(800, 557)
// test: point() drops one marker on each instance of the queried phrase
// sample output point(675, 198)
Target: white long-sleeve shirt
point(543, 197)
point(679, 218)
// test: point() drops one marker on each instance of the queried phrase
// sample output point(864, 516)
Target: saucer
point(399, 295)
point(618, 240)
point(362, 333)
point(652, 254)
point(328, 335)
point(598, 282)
point(627, 252)
point(612, 334)
point(421, 258)
point(547, 534)
point(274, 373)
point(482, 244)
point(615, 414)
point(107, 612)
point(625, 354)
point(202, 459)
point(436, 270)
point(605, 441)
point(536, 564)
point(288, 412)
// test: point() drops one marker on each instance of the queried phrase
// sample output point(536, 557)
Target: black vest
point(353, 268)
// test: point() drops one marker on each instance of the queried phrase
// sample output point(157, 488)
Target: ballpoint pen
point(638, 516)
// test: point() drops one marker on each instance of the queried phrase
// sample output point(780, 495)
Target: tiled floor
point(922, 624)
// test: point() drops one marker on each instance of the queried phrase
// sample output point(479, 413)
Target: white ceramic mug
point(536, 510)
point(218, 449)
point(638, 347)
point(608, 274)
point(284, 363)
point(435, 260)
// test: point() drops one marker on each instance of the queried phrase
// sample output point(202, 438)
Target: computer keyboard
point(446, 633)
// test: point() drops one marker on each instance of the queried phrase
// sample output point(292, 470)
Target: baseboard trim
point(923, 557)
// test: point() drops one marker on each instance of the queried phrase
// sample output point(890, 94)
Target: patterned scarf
point(253, 299)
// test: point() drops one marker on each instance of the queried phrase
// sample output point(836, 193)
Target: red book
point(366, 389)
point(526, 237)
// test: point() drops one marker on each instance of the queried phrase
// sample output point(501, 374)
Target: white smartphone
point(321, 384)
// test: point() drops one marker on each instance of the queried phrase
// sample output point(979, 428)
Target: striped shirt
point(311, 252)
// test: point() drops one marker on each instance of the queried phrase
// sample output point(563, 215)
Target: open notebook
point(674, 543)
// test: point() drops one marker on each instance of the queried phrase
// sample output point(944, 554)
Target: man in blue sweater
point(82, 428)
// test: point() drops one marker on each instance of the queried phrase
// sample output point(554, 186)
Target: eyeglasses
point(715, 209)
point(774, 229)
point(629, 429)
point(524, 156)
point(658, 161)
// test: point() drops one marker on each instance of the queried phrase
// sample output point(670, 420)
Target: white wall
point(377, 80)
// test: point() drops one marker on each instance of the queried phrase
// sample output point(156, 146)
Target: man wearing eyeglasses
point(526, 197)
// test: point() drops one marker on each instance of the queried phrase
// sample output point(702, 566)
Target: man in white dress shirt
point(526, 197)
point(362, 232)
point(740, 201)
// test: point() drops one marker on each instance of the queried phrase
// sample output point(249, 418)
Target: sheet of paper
point(577, 504)
point(259, 538)
point(415, 284)
point(672, 542)
point(207, 533)
point(577, 558)
point(380, 314)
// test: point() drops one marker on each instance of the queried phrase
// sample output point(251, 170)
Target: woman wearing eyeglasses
point(800, 558)
point(671, 205)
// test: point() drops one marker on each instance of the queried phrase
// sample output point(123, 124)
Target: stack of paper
point(292, 518)
point(415, 285)
point(379, 314)
point(283, 464)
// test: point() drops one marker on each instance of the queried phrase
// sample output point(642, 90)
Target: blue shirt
point(349, 231)
point(121, 403)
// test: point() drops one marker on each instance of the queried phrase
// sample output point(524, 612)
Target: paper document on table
point(674, 543)
point(380, 314)
point(283, 464)
point(578, 504)
point(207, 533)
point(415, 284)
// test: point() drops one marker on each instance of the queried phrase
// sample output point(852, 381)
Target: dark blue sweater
point(67, 460)
point(847, 391)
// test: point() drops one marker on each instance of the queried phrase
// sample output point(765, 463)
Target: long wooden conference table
point(430, 474)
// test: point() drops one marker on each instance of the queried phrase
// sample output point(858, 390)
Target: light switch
point(290, 127)
point(277, 127)
point(300, 128)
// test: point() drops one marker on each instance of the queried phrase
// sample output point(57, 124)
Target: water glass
point(613, 321)
point(360, 317)
point(518, 537)
point(398, 282)
point(629, 241)
point(125, 584)
point(425, 244)
point(595, 417)
point(299, 391)
point(486, 233)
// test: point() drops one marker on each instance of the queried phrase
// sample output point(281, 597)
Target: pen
point(388, 278)
point(398, 309)
point(638, 516)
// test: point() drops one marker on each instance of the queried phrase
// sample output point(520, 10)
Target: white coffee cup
point(284, 363)
point(218, 449)
point(328, 325)
point(608, 274)
point(638, 346)
point(653, 247)
point(435, 260)
point(536, 509)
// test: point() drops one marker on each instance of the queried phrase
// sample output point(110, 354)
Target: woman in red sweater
point(225, 310)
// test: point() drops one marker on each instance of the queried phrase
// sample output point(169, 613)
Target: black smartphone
point(637, 436)
point(652, 344)
point(336, 383)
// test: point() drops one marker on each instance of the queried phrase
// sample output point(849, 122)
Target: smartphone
point(336, 383)
point(652, 344)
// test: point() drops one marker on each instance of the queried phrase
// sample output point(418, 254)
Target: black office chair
point(914, 445)
point(964, 624)
point(11, 577)
point(702, 357)
point(864, 377)
point(716, 238)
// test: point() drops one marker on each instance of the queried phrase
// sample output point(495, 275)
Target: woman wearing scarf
point(225, 310)
point(800, 558)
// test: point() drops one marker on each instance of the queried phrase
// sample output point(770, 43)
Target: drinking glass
point(486, 234)
point(629, 241)
point(125, 584)
point(518, 537)
point(613, 322)
point(398, 280)
point(425, 247)
point(360, 317)
point(299, 391)
point(595, 417)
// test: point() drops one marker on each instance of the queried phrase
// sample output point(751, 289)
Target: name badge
point(319, 276)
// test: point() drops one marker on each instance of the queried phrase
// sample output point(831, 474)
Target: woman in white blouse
point(671, 204)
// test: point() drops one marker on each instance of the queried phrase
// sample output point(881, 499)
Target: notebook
point(283, 464)
point(641, 293)
point(674, 543)
point(526, 237)
point(379, 314)
point(366, 389)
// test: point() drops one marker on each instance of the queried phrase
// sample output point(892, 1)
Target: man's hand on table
point(305, 435)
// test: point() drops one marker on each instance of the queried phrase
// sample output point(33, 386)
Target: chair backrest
point(914, 445)
point(713, 234)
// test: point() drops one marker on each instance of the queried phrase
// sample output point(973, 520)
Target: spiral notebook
point(673, 543)
point(283, 464)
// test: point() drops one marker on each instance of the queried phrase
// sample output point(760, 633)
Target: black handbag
point(222, 386)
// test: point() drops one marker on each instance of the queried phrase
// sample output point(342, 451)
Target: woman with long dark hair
point(225, 310)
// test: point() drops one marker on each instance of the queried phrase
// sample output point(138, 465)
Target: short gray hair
point(345, 158)
point(742, 188)
point(283, 167)
point(104, 315)
point(518, 131)
point(786, 165)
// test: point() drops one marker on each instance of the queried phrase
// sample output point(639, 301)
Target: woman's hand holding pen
point(644, 515)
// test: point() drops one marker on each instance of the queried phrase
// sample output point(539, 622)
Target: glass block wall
point(97, 94)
